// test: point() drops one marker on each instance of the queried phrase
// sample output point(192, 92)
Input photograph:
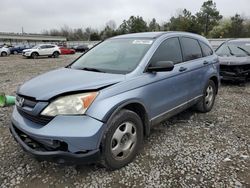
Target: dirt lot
point(189, 150)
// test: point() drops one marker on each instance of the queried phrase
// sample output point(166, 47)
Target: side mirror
point(161, 66)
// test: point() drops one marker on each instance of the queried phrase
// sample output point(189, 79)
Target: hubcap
point(209, 96)
point(123, 140)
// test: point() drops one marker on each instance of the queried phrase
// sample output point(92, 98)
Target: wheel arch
point(36, 52)
point(136, 107)
point(2, 52)
point(216, 82)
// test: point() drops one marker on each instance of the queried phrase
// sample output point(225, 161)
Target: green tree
point(95, 36)
point(107, 32)
point(123, 28)
point(236, 29)
point(153, 25)
point(133, 25)
point(185, 21)
point(208, 17)
point(222, 30)
point(247, 28)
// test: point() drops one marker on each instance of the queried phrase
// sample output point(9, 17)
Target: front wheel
point(34, 55)
point(122, 140)
point(55, 54)
point(207, 101)
point(4, 54)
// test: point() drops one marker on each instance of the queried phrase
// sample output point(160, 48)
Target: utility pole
point(22, 31)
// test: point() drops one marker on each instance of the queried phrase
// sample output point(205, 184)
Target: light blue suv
point(100, 107)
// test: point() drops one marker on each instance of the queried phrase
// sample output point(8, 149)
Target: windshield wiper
point(246, 52)
point(91, 69)
point(230, 51)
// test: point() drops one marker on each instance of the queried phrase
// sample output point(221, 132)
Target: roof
point(141, 35)
point(153, 35)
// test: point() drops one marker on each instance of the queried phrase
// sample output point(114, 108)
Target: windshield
point(35, 47)
point(239, 49)
point(114, 56)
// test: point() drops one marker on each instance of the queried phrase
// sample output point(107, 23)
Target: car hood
point(233, 60)
point(65, 80)
point(27, 49)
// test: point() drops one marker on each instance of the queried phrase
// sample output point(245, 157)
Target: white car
point(49, 50)
point(4, 51)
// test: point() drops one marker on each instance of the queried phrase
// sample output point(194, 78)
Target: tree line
point(207, 22)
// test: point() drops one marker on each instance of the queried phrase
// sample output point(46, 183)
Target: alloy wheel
point(123, 141)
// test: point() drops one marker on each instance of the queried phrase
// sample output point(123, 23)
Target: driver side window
point(169, 50)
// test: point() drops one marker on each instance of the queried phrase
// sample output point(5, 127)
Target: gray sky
point(37, 15)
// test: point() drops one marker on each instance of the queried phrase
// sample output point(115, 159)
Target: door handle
point(182, 69)
point(205, 62)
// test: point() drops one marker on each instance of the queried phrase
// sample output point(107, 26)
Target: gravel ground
point(189, 150)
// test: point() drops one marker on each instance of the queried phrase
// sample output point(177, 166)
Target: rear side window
point(206, 50)
point(169, 50)
point(50, 46)
point(191, 49)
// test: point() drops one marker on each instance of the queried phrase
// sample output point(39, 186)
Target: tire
point(34, 55)
point(4, 54)
point(122, 140)
point(15, 52)
point(207, 102)
point(55, 54)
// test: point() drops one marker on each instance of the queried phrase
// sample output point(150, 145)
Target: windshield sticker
point(142, 42)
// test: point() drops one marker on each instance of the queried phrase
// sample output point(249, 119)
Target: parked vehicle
point(4, 51)
point(102, 106)
point(18, 49)
point(81, 48)
point(49, 50)
point(65, 50)
point(234, 57)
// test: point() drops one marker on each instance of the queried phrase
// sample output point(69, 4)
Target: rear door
point(49, 49)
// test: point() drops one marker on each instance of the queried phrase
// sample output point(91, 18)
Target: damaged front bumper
point(65, 139)
point(41, 152)
point(235, 72)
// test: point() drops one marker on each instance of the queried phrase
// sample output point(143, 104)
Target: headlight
point(70, 105)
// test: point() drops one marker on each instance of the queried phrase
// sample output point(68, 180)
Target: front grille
point(236, 69)
point(27, 102)
point(39, 119)
point(24, 102)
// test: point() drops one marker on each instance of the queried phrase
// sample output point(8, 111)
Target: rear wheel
point(4, 54)
point(207, 101)
point(122, 140)
point(34, 55)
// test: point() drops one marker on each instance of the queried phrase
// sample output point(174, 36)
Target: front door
point(167, 90)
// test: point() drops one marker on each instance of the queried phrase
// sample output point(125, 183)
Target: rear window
point(191, 49)
point(50, 46)
point(206, 50)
